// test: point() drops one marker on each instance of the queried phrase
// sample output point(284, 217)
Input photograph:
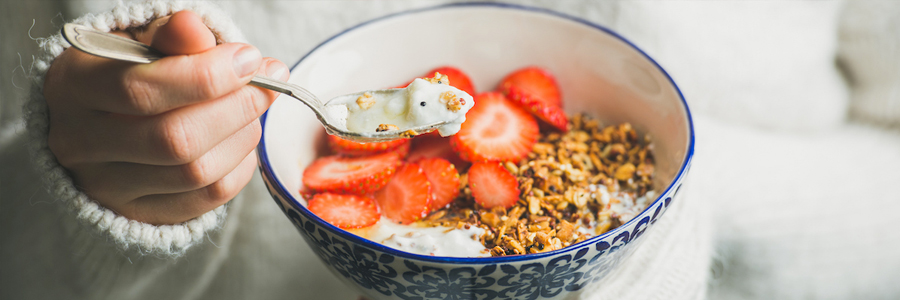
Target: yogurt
point(436, 241)
point(423, 102)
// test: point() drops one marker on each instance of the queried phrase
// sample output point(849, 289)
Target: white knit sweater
point(61, 245)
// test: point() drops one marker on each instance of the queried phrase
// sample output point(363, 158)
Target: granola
point(386, 127)
point(365, 101)
point(565, 183)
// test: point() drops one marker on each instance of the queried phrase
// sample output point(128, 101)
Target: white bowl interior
point(598, 73)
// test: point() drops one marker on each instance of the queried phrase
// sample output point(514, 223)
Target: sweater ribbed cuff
point(166, 240)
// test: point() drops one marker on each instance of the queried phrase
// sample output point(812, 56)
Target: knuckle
point(140, 95)
point(177, 143)
point(221, 191)
point(197, 174)
point(253, 101)
point(206, 83)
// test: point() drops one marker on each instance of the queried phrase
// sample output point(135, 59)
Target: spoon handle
point(108, 45)
point(115, 47)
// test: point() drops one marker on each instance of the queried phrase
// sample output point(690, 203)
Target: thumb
point(181, 33)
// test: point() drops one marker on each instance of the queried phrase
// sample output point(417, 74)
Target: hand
point(164, 142)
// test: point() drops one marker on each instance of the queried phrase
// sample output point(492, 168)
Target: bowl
point(599, 72)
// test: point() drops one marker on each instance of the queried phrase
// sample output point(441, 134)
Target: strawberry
point(458, 79)
point(427, 146)
point(532, 82)
point(444, 181)
point(495, 130)
point(492, 185)
point(407, 197)
point(351, 148)
point(536, 90)
point(345, 211)
point(353, 175)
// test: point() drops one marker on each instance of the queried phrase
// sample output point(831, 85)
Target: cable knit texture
point(169, 240)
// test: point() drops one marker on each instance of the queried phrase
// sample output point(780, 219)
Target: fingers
point(173, 138)
point(177, 208)
point(148, 89)
point(122, 181)
point(162, 142)
point(182, 33)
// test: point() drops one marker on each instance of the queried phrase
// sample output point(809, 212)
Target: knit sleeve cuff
point(167, 240)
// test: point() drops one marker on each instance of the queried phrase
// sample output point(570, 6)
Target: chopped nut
point(566, 231)
point(542, 241)
point(510, 243)
point(438, 78)
point(542, 148)
point(512, 168)
point(625, 171)
point(490, 219)
point(534, 205)
point(365, 101)
point(452, 102)
point(644, 169)
point(409, 134)
point(386, 127)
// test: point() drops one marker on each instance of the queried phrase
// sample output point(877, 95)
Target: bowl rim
point(267, 171)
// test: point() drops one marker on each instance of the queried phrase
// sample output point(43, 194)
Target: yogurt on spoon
point(424, 101)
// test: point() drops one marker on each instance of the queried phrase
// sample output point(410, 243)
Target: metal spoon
point(115, 47)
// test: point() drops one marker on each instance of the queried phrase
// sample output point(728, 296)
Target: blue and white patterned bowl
point(599, 72)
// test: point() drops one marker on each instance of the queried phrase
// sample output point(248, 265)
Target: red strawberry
point(458, 79)
point(495, 130)
point(407, 197)
point(435, 147)
point(533, 82)
point(536, 90)
point(444, 181)
point(345, 211)
point(351, 148)
point(492, 185)
point(354, 175)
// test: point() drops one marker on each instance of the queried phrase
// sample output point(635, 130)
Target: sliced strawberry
point(536, 90)
point(495, 130)
point(345, 211)
point(532, 82)
point(427, 146)
point(444, 181)
point(553, 115)
point(407, 197)
point(354, 175)
point(492, 185)
point(351, 148)
point(458, 79)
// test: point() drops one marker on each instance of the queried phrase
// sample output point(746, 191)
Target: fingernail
point(277, 70)
point(246, 61)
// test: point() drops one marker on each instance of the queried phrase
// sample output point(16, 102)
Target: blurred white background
point(796, 106)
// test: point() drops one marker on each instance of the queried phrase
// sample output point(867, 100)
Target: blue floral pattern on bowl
point(377, 272)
